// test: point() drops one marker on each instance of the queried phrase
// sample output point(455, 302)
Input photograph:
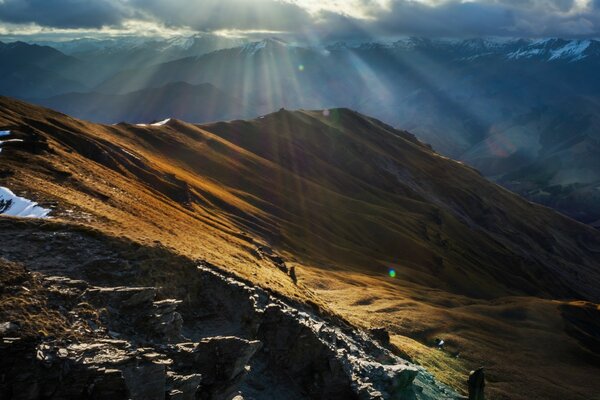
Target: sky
point(304, 20)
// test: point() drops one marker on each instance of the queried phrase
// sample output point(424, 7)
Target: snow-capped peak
point(255, 47)
point(574, 50)
point(552, 49)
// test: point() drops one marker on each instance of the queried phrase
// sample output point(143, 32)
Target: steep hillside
point(198, 103)
point(378, 227)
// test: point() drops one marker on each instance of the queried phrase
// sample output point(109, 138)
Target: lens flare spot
point(300, 67)
point(392, 273)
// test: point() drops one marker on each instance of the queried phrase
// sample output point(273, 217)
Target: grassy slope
point(344, 198)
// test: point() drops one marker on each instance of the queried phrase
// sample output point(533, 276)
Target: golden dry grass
point(311, 188)
point(23, 300)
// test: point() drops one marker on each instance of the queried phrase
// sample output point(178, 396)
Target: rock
point(221, 361)
point(297, 350)
point(217, 359)
point(282, 267)
point(166, 306)
point(403, 377)
point(183, 387)
point(174, 395)
point(265, 250)
point(476, 383)
point(8, 328)
point(381, 335)
point(109, 385)
point(121, 297)
point(145, 380)
point(131, 312)
point(243, 340)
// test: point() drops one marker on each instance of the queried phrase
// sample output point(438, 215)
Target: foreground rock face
point(219, 339)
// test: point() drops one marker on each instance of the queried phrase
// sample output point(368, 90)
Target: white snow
point(255, 47)
point(129, 153)
point(13, 205)
point(525, 53)
point(161, 123)
point(574, 50)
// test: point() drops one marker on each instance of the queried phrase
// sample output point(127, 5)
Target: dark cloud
point(402, 17)
point(454, 18)
point(66, 13)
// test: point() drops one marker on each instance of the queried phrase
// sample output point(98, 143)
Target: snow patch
point(161, 123)
point(573, 50)
point(524, 53)
point(553, 49)
point(13, 205)
point(253, 48)
point(129, 153)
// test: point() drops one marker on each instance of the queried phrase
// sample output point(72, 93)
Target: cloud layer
point(325, 18)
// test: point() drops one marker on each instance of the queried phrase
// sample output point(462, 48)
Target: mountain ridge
point(344, 199)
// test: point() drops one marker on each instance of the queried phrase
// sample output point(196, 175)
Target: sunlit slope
point(350, 188)
point(344, 198)
point(101, 176)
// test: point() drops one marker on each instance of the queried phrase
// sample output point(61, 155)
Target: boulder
point(183, 387)
point(222, 362)
point(381, 335)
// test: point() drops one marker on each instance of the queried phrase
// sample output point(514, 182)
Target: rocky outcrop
point(201, 335)
point(381, 335)
point(476, 384)
point(141, 364)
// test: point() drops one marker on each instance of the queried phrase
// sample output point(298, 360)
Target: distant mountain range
point(103, 58)
point(203, 102)
point(523, 112)
point(32, 71)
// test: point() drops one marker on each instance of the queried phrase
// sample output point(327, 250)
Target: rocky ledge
point(217, 338)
